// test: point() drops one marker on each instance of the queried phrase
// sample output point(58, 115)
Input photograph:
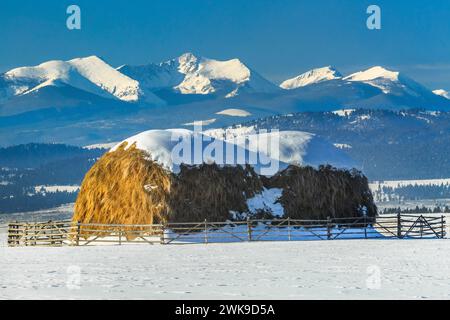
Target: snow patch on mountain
point(311, 77)
point(342, 145)
point(344, 112)
point(106, 145)
point(442, 93)
point(234, 113)
point(201, 122)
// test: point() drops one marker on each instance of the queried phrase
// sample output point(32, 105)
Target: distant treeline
point(418, 192)
point(23, 202)
point(34, 155)
point(417, 209)
point(26, 166)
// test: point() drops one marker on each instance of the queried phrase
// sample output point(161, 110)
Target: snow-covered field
point(360, 269)
point(340, 269)
point(62, 212)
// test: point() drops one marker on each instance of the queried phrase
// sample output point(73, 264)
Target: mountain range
point(85, 100)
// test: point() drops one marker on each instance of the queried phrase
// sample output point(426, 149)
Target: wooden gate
point(413, 226)
point(52, 233)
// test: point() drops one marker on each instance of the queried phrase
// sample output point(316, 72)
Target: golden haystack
point(114, 191)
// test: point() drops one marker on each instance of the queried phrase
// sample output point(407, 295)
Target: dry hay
point(327, 192)
point(211, 192)
point(114, 190)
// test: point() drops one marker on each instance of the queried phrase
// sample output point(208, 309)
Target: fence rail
point(68, 233)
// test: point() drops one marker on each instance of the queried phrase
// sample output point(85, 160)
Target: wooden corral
point(67, 233)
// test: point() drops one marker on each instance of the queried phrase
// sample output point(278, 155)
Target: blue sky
point(280, 38)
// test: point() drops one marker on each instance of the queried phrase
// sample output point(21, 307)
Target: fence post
point(442, 227)
point(161, 238)
point(421, 226)
point(206, 231)
point(249, 229)
point(120, 236)
point(78, 234)
point(25, 233)
point(399, 225)
point(365, 226)
point(289, 228)
point(13, 234)
point(328, 228)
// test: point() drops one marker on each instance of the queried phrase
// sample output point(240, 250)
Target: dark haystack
point(327, 192)
point(211, 192)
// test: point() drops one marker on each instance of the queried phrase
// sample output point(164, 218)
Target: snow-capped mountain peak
point(187, 63)
point(201, 73)
point(311, 77)
point(190, 74)
point(442, 93)
point(90, 74)
point(372, 74)
point(390, 82)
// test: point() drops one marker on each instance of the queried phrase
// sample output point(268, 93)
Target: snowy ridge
point(295, 147)
point(311, 77)
point(390, 82)
point(90, 74)
point(372, 74)
point(378, 77)
point(189, 74)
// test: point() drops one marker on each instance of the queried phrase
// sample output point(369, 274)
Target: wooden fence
point(67, 233)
